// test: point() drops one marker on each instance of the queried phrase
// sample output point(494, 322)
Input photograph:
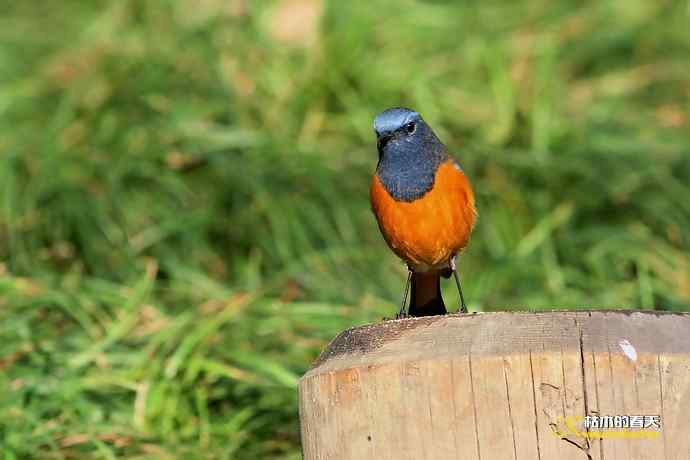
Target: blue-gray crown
point(392, 119)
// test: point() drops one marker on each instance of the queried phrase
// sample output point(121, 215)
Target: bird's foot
point(402, 315)
point(454, 268)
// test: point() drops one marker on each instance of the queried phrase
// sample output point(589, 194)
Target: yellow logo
point(608, 426)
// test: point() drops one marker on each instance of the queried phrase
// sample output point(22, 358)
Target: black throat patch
point(407, 168)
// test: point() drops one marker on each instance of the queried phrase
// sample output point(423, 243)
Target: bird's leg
point(402, 313)
point(454, 268)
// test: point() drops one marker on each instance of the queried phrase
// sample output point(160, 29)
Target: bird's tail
point(426, 297)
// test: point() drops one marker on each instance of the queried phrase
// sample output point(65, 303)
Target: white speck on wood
point(628, 349)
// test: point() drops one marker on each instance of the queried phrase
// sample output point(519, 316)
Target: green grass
point(184, 217)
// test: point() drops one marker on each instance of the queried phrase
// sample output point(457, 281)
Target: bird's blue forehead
point(392, 119)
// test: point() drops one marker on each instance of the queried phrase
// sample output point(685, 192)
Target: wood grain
point(500, 386)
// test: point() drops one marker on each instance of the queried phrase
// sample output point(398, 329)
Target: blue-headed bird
point(424, 206)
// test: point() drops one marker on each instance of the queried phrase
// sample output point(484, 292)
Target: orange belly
point(427, 232)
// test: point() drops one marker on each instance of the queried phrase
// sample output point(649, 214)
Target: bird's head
point(398, 125)
point(409, 153)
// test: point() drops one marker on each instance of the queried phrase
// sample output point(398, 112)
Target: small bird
point(424, 206)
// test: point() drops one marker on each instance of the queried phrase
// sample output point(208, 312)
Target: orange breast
point(427, 232)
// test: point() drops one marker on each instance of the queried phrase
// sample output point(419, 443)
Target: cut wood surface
point(509, 385)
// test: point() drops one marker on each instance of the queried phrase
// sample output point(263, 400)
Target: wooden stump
point(495, 386)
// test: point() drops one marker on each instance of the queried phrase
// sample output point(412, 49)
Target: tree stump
point(506, 385)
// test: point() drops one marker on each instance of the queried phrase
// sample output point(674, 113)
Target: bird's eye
point(410, 127)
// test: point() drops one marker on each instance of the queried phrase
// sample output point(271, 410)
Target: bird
point(424, 205)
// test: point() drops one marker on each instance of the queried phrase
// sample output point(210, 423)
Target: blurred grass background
point(184, 217)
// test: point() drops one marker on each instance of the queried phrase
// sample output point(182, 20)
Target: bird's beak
point(383, 139)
